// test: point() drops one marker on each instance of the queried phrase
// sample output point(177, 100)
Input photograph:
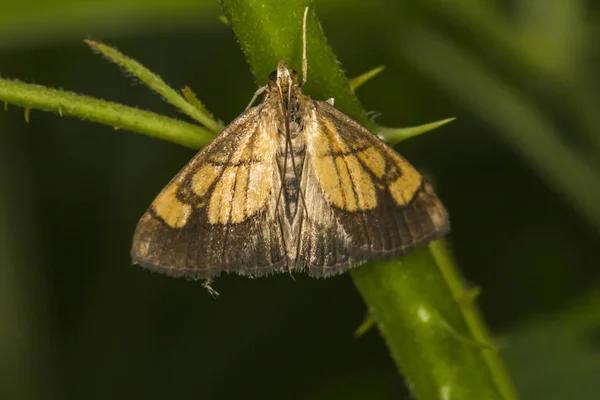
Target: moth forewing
point(218, 214)
point(366, 201)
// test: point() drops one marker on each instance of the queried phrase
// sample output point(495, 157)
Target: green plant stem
point(113, 114)
point(157, 84)
point(411, 299)
point(268, 40)
point(424, 329)
point(472, 317)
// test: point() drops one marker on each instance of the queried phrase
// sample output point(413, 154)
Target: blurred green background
point(519, 172)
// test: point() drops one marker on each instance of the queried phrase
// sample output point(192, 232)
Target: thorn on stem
point(91, 43)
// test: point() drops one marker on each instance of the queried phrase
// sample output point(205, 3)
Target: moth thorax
point(294, 129)
point(291, 162)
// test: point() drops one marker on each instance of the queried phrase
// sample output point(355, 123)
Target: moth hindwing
point(291, 184)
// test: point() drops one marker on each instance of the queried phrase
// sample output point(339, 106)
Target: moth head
point(283, 77)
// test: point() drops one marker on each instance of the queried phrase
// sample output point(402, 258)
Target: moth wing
point(218, 212)
point(364, 201)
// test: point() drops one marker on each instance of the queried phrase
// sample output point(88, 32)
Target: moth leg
point(290, 272)
point(258, 92)
point(209, 289)
point(330, 101)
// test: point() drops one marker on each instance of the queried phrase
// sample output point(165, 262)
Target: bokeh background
point(519, 171)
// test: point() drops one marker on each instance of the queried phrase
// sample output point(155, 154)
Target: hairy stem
point(116, 115)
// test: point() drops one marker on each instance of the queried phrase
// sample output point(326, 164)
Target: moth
point(292, 184)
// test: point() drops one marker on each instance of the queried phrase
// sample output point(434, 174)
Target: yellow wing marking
point(373, 160)
point(260, 176)
point(239, 210)
point(172, 211)
point(330, 182)
point(349, 171)
point(219, 208)
point(403, 189)
point(204, 177)
point(346, 184)
point(245, 178)
point(363, 184)
point(344, 180)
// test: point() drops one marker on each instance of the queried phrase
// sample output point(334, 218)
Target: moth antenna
point(288, 146)
point(289, 138)
point(258, 92)
point(281, 227)
point(304, 60)
point(298, 242)
point(284, 152)
point(282, 173)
